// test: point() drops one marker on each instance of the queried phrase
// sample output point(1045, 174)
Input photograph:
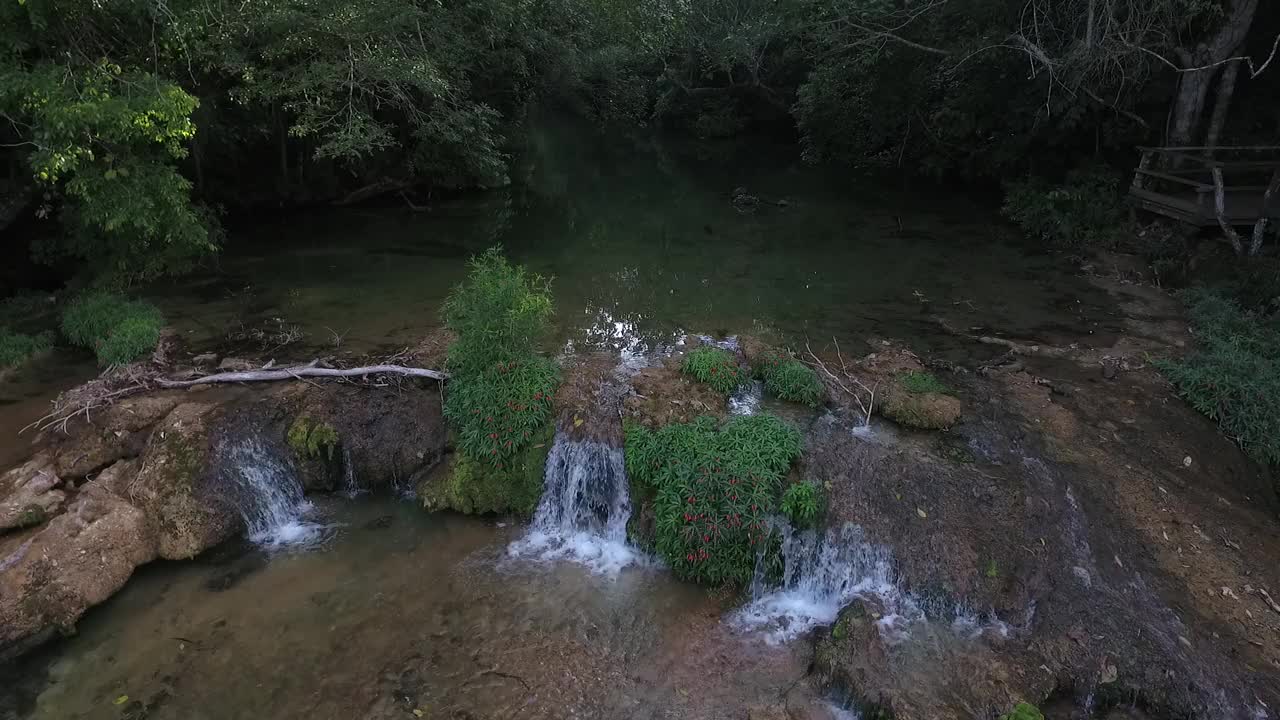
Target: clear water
point(401, 611)
point(644, 245)
point(269, 496)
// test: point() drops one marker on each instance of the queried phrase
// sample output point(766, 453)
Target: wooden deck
point(1182, 184)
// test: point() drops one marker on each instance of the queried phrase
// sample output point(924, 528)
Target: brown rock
point(923, 411)
point(29, 494)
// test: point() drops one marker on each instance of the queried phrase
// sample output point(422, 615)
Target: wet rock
point(662, 395)
point(233, 364)
point(205, 359)
point(29, 494)
point(120, 431)
point(78, 559)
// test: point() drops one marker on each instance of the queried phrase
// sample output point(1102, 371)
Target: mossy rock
point(30, 516)
point(312, 439)
point(478, 488)
point(919, 400)
point(1023, 711)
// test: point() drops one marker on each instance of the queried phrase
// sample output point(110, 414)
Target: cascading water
point(821, 575)
point(584, 509)
point(269, 496)
point(350, 483)
point(746, 400)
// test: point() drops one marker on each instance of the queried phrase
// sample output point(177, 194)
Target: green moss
point(312, 439)
point(1023, 711)
point(992, 570)
point(478, 488)
point(32, 515)
point(919, 382)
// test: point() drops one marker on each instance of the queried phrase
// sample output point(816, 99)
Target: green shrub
point(919, 382)
point(312, 439)
point(789, 379)
point(500, 393)
point(1023, 711)
point(499, 314)
point(498, 411)
point(1086, 209)
point(16, 347)
point(477, 488)
point(715, 367)
point(713, 489)
point(117, 329)
point(1232, 376)
point(801, 504)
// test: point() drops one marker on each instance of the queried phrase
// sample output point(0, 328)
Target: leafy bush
point(16, 347)
point(789, 379)
point(496, 412)
point(117, 329)
point(715, 367)
point(499, 397)
point(312, 439)
point(802, 503)
point(1087, 209)
point(919, 382)
point(1233, 376)
point(1023, 711)
point(714, 488)
point(499, 314)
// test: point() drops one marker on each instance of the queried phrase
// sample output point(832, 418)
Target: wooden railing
point(1229, 186)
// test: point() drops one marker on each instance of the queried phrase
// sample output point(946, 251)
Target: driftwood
point(1015, 348)
point(303, 371)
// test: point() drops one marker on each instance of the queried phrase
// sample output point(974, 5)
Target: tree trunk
point(1200, 68)
point(1226, 87)
point(1264, 219)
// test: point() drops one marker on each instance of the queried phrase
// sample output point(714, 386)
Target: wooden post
point(1220, 200)
point(1264, 217)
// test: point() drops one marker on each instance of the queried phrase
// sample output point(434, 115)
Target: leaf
point(417, 712)
point(922, 513)
point(577, 421)
point(120, 700)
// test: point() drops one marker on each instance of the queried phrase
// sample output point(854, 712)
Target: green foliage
point(312, 439)
point(1087, 209)
point(789, 379)
point(715, 367)
point(478, 488)
point(919, 382)
point(1023, 711)
point(499, 314)
point(16, 348)
point(500, 392)
point(1232, 376)
point(117, 329)
point(713, 488)
point(801, 504)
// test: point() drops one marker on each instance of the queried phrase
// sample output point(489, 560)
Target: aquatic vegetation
point(312, 439)
point(789, 379)
point(1023, 711)
point(501, 391)
point(802, 504)
point(715, 367)
point(475, 487)
point(16, 347)
point(921, 382)
point(1232, 375)
point(713, 489)
point(117, 329)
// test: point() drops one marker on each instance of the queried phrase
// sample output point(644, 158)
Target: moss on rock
point(311, 439)
point(477, 488)
point(919, 400)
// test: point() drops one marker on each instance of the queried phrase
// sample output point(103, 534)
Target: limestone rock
point(30, 494)
point(923, 411)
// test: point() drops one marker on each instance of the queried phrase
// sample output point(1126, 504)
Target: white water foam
point(350, 483)
point(584, 509)
point(821, 576)
point(270, 498)
point(746, 399)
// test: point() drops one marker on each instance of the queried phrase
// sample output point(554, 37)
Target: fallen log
point(303, 371)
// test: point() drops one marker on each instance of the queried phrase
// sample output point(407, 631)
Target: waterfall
point(268, 495)
point(746, 399)
point(821, 575)
point(350, 485)
point(584, 509)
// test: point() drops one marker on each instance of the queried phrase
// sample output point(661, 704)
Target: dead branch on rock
point(303, 371)
point(1014, 347)
point(865, 407)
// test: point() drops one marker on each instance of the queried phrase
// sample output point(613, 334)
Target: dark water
point(645, 242)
